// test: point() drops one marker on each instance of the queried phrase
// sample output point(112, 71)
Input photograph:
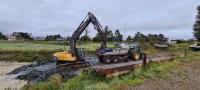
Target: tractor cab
point(134, 48)
point(135, 52)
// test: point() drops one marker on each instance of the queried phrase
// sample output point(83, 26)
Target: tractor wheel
point(136, 56)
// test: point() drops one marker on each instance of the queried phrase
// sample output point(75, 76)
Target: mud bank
point(9, 81)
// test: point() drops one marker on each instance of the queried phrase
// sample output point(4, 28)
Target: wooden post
point(144, 61)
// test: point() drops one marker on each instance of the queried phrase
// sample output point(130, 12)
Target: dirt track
point(8, 81)
point(185, 77)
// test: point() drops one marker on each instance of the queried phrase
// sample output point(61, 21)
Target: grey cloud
point(42, 17)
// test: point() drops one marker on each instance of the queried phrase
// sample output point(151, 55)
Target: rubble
point(41, 71)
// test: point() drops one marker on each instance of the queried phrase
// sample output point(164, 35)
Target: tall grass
point(26, 56)
point(38, 42)
point(30, 46)
point(54, 83)
point(27, 52)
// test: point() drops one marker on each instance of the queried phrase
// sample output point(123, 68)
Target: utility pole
point(125, 32)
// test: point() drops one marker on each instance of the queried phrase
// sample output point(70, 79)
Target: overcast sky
point(173, 18)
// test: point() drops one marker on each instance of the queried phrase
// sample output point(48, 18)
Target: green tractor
point(135, 52)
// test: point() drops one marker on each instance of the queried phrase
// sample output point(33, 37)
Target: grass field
point(43, 50)
point(30, 47)
point(92, 82)
point(35, 51)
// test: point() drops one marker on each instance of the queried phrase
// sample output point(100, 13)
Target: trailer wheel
point(87, 64)
point(106, 59)
point(125, 59)
point(115, 59)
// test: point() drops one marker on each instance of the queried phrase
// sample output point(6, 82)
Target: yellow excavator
point(77, 55)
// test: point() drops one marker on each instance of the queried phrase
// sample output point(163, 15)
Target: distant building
point(177, 41)
point(173, 41)
point(15, 36)
point(19, 36)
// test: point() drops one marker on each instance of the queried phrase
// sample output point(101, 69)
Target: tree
point(26, 36)
point(2, 37)
point(139, 37)
point(118, 36)
point(129, 39)
point(196, 27)
point(53, 37)
point(68, 38)
point(162, 38)
point(97, 38)
point(110, 36)
point(153, 38)
point(85, 38)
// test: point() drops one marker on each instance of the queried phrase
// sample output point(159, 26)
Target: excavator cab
point(67, 57)
point(80, 53)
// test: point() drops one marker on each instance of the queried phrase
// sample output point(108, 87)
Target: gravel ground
point(9, 81)
point(185, 77)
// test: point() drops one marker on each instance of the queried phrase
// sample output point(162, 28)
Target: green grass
point(53, 83)
point(38, 42)
point(30, 47)
point(28, 52)
point(26, 46)
point(92, 82)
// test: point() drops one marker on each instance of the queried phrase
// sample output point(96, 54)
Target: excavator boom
point(90, 18)
point(77, 54)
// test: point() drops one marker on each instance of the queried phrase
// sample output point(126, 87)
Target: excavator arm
point(90, 18)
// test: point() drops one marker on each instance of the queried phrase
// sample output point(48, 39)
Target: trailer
point(113, 70)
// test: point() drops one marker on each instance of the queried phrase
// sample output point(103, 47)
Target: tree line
point(2, 36)
point(196, 26)
point(111, 37)
point(118, 37)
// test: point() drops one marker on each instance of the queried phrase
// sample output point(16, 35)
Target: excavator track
point(74, 64)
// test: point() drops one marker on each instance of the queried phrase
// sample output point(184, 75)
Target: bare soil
point(185, 76)
point(8, 81)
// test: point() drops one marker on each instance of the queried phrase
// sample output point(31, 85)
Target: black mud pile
point(41, 71)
